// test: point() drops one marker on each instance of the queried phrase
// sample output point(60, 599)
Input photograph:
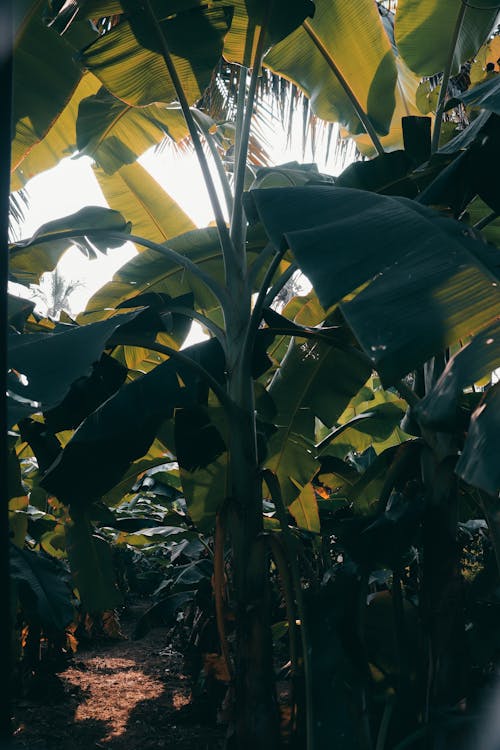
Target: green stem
point(225, 239)
point(237, 219)
point(210, 141)
point(181, 260)
point(256, 314)
point(446, 77)
point(365, 120)
point(203, 320)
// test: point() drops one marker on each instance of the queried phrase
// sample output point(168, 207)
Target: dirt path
point(119, 695)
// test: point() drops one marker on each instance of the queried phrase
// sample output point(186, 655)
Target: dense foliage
point(316, 485)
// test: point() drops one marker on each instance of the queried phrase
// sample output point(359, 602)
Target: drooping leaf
point(44, 366)
point(423, 304)
point(157, 455)
point(378, 174)
point(92, 569)
point(92, 227)
point(18, 309)
point(440, 407)
point(129, 62)
point(205, 490)
point(478, 464)
point(152, 213)
point(43, 589)
point(425, 32)
point(432, 283)
point(114, 133)
point(123, 428)
point(86, 394)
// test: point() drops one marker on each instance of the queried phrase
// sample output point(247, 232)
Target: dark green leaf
point(43, 589)
point(114, 133)
point(129, 62)
point(425, 32)
point(91, 565)
point(29, 259)
point(122, 429)
point(479, 465)
point(45, 365)
point(485, 95)
point(432, 282)
point(440, 408)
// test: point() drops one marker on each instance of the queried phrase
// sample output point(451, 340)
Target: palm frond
point(18, 205)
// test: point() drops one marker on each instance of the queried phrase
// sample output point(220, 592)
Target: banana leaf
point(425, 32)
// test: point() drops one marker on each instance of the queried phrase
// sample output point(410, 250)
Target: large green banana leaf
point(123, 428)
point(43, 588)
point(351, 38)
point(315, 380)
point(114, 133)
point(47, 364)
point(431, 283)
point(152, 272)
point(45, 78)
point(29, 259)
point(91, 563)
point(440, 408)
point(425, 31)
point(129, 62)
point(58, 142)
point(153, 214)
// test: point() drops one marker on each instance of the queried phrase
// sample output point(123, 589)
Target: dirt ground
point(118, 695)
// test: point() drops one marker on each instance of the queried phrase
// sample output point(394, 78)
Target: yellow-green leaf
point(152, 212)
point(425, 31)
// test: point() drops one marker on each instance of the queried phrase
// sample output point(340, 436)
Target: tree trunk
point(255, 718)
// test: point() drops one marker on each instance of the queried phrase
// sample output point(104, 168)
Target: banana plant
point(397, 283)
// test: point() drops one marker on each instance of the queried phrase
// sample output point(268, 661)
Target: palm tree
point(54, 292)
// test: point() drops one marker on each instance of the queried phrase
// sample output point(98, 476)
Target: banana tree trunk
point(255, 717)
